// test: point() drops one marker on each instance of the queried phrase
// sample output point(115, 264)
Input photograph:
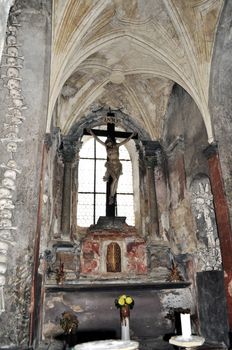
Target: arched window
point(91, 200)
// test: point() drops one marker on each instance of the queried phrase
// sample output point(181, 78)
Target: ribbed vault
point(127, 55)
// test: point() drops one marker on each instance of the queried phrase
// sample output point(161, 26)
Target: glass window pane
point(100, 172)
point(100, 149)
point(87, 149)
point(125, 207)
point(100, 205)
point(86, 175)
point(85, 210)
point(125, 180)
point(123, 153)
point(85, 207)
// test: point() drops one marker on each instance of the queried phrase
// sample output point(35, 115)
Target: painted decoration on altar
point(113, 257)
point(106, 252)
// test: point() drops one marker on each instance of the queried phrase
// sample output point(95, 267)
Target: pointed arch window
point(91, 199)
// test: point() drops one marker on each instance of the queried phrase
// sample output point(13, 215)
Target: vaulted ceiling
point(127, 54)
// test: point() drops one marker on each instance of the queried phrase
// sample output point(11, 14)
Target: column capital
point(51, 138)
point(48, 140)
point(150, 147)
point(152, 152)
point(68, 149)
point(211, 150)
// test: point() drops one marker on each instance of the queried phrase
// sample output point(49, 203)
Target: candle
point(185, 326)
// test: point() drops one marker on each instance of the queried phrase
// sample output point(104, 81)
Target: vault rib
point(140, 108)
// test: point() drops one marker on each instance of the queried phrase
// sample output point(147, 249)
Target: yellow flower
point(121, 301)
point(123, 296)
point(129, 300)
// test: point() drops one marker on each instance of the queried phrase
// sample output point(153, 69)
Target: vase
point(125, 322)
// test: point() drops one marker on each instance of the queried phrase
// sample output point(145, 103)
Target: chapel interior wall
point(23, 114)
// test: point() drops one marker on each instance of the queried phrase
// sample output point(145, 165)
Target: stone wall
point(208, 248)
point(23, 99)
point(220, 101)
point(183, 146)
point(193, 226)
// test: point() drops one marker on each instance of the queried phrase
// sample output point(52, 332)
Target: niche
point(113, 257)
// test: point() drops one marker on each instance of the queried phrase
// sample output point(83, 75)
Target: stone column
point(74, 177)
point(141, 219)
point(223, 221)
point(176, 169)
point(35, 285)
point(68, 153)
point(162, 193)
point(157, 247)
point(150, 148)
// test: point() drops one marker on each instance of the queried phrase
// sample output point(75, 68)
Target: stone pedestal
point(212, 315)
point(190, 343)
point(159, 260)
point(63, 263)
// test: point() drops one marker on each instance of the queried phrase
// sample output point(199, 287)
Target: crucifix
point(113, 164)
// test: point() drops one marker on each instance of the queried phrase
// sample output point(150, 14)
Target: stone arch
point(96, 118)
point(135, 149)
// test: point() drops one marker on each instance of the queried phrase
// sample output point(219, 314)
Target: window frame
point(95, 158)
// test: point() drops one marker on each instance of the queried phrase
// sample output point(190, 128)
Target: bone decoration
point(10, 139)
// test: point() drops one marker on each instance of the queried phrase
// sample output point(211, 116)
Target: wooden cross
point(112, 133)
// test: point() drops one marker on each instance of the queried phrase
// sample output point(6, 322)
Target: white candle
point(185, 326)
point(125, 329)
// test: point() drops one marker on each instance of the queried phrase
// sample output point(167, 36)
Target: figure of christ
point(113, 164)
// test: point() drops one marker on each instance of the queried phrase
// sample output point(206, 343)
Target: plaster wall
point(220, 101)
point(185, 139)
point(33, 44)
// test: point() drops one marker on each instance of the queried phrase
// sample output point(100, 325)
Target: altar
point(113, 249)
point(93, 303)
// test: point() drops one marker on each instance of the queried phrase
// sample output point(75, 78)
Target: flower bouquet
point(124, 300)
point(125, 303)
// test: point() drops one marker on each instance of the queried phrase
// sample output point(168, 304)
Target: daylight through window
point(92, 189)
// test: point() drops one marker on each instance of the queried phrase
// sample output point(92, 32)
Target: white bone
point(5, 193)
